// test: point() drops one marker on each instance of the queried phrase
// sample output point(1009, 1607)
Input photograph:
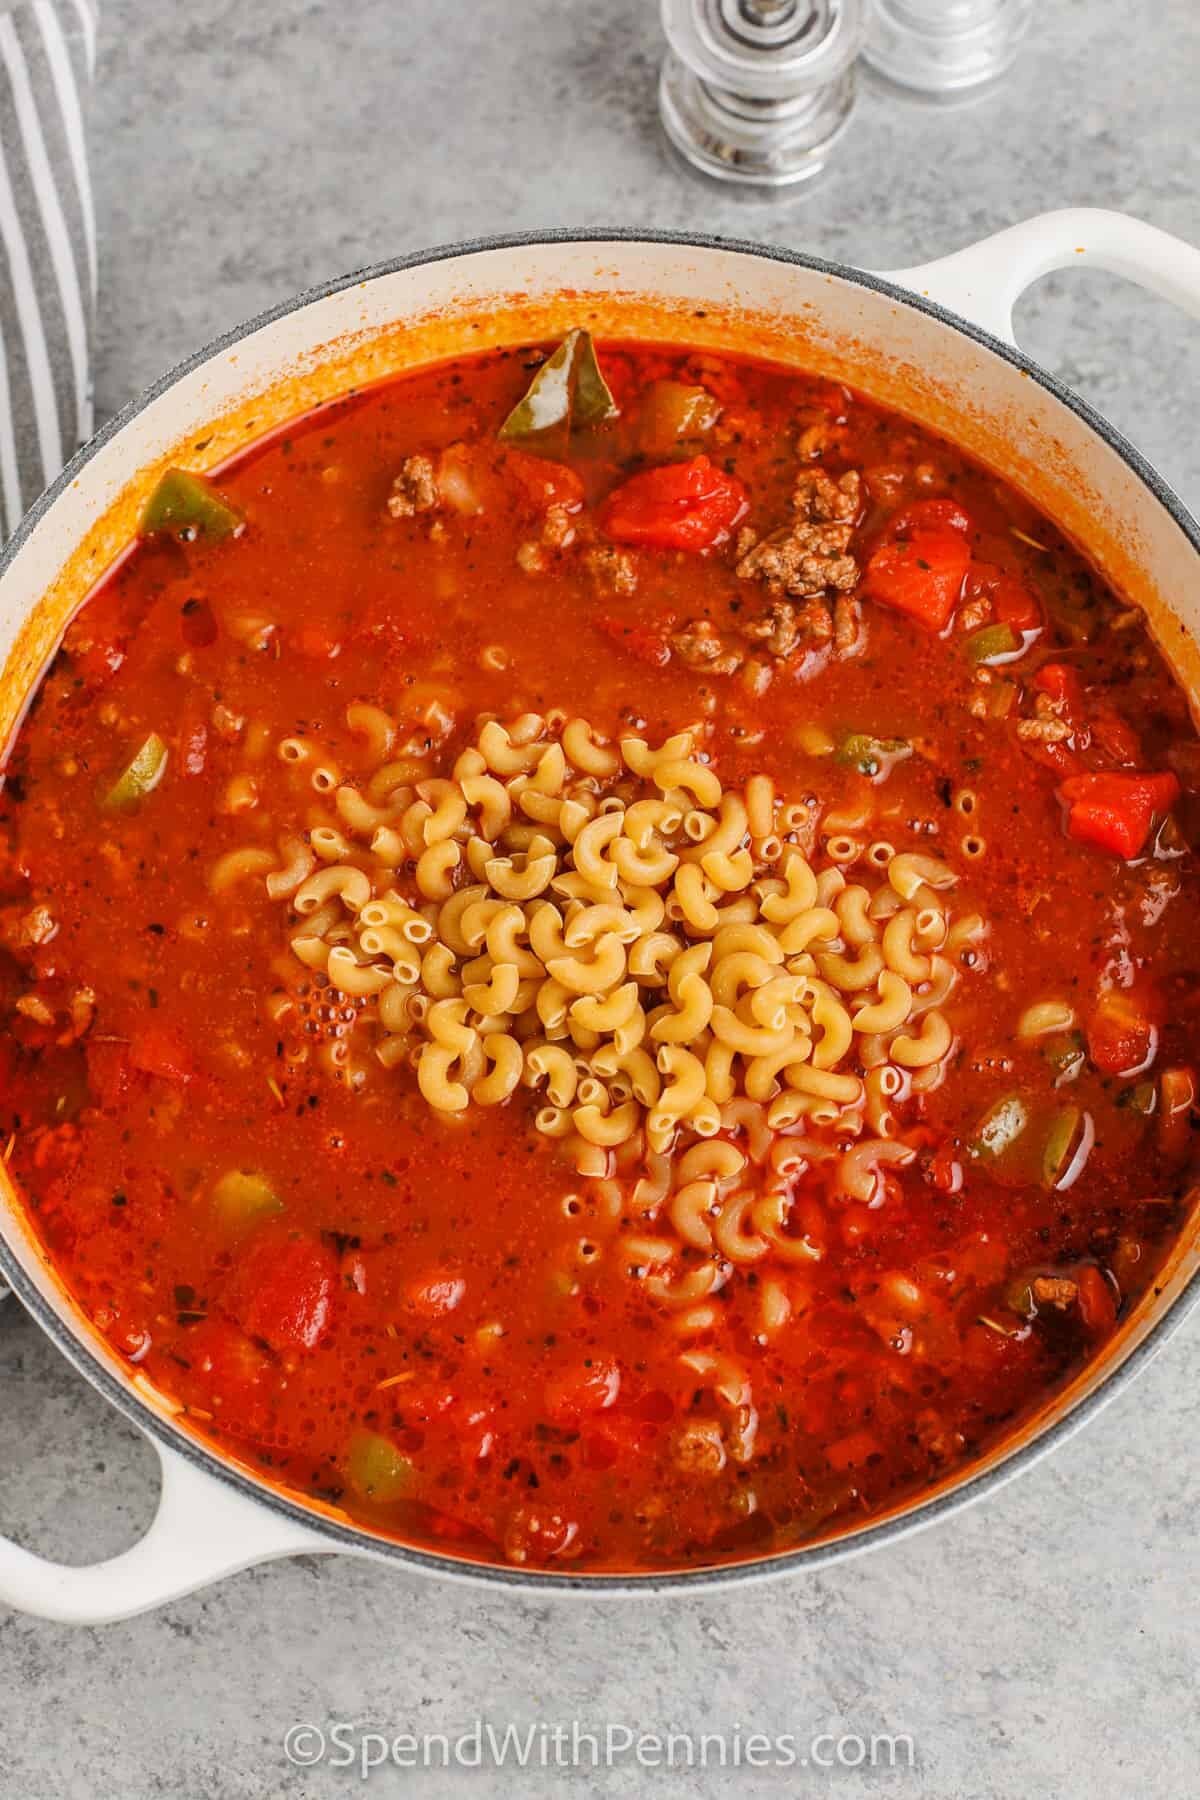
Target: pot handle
point(984, 282)
point(202, 1531)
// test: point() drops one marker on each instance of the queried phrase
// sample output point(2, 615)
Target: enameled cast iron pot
point(935, 343)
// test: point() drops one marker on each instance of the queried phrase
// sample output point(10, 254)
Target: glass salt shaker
point(944, 49)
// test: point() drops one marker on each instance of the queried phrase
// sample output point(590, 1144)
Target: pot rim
point(351, 1539)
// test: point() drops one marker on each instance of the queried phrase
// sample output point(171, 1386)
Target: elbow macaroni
point(699, 1011)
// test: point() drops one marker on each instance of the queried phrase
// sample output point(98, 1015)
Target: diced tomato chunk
point(316, 640)
point(921, 576)
point(227, 1373)
point(100, 661)
point(547, 483)
point(1097, 1302)
point(282, 1289)
point(1114, 811)
point(618, 1434)
point(641, 641)
point(156, 1051)
point(590, 1387)
point(1000, 1356)
point(1113, 734)
point(677, 506)
point(1014, 604)
point(1062, 684)
point(436, 1294)
point(931, 515)
point(1060, 758)
point(108, 1073)
point(1121, 1036)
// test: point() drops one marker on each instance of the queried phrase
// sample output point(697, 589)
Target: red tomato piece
point(108, 1073)
point(997, 1355)
point(228, 1373)
point(642, 641)
point(1060, 758)
point(1063, 684)
point(100, 661)
point(1097, 1302)
point(921, 576)
point(316, 640)
point(1014, 604)
point(435, 1295)
point(156, 1051)
point(931, 515)
point(1115, 812)
point(615, 1436)
point(1114, 735)
point(1121, 1037)
point(678, 506)
point(589, 1387)
point(282, 1289)
point(547, 483)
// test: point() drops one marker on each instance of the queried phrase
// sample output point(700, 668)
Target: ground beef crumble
point(613, 570)
point(809, 575)
point(808, 556)
point(1047, 727)
point(414, 489)
point(1054, 1290)
point(701, 646)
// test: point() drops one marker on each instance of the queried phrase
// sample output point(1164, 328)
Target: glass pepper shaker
point(759, 91)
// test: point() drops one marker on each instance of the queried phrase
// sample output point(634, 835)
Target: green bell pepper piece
point(377, 1470)
point(189, 507)
point(994, 643)
point(872, 756)
point(242, 1198)
point(140, 776)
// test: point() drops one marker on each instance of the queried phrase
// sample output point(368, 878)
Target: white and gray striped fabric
point(47, 243)
point(47, 246)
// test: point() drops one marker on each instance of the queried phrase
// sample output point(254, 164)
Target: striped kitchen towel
point(47, 247)
point(47, 243)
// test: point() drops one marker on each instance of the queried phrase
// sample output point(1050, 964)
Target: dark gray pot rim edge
point(544, 1582)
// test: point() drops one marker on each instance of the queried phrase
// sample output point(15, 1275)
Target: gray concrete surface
point(1045, 1644)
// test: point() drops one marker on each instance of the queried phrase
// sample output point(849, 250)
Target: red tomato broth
point(407, 1238)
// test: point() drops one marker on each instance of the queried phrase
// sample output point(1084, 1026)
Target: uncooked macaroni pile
point(606, 926)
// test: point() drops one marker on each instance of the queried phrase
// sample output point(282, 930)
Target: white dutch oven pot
point(934, 342)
